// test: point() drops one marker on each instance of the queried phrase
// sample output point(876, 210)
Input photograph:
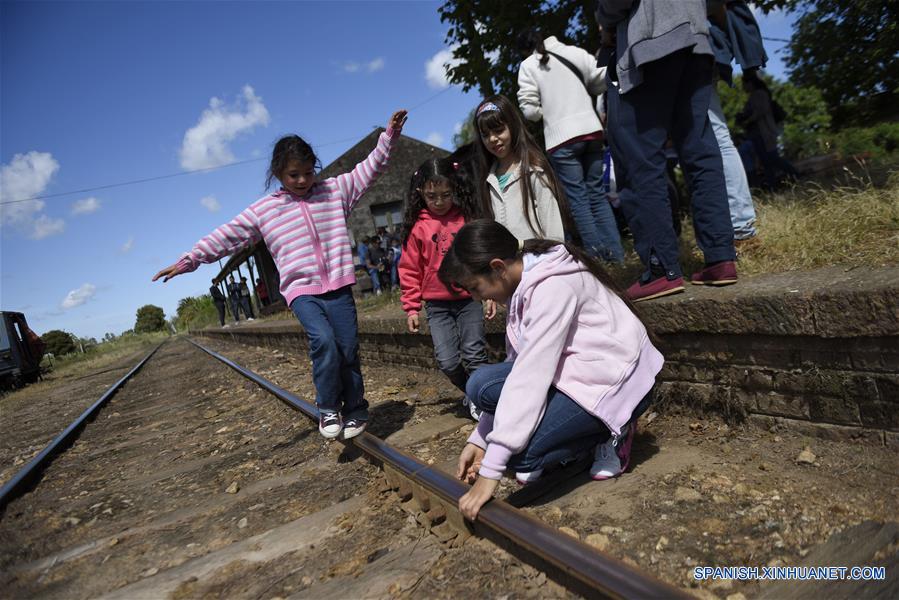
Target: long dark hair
point(288, 148)
point(531, 41)
point(480, 241)
point(532, 159)
point(436, 170)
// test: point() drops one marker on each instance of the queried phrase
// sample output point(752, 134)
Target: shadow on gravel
point(388, 417)
point(557, 484)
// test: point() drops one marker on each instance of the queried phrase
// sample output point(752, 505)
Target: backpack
point(778, 112)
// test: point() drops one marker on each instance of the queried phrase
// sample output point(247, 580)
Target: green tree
point(466, 133)
point(482, 35)
point(149, 318)
point(848, 50)
point(195, 312)
point(58, 342)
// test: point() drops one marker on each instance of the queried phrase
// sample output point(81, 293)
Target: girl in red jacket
point(440, 202)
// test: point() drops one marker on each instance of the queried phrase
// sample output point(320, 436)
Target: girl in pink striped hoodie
point(304, 226)
point(580, 364)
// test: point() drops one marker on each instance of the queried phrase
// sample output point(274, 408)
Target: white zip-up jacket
point(508, 210)
point(553, 93)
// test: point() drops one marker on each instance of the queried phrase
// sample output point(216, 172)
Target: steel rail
point(572, 563)
point(30, 474)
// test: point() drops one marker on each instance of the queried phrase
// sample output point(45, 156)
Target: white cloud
point(86, 206)
point(436, 66)
point(79, 296)
point(206, 143)
point(26, 176)
point(434, 138)
point(127, 246)
point(371, 66)
point(457, 128)
point(210, 203)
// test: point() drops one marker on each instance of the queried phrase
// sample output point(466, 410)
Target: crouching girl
point(580, 366)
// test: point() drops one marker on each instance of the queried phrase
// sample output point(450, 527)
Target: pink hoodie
point(565, 329)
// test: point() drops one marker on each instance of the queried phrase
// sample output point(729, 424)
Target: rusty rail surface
point(433, 496)
point(31, 473)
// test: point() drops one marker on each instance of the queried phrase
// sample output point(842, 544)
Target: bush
point(149, 319)
point(58, 342)
point(877, 141)
point(195, 313)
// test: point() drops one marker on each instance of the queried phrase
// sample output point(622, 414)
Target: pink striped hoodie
point(307, 236)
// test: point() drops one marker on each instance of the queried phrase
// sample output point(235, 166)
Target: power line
point(770, 39)
point(203, 170)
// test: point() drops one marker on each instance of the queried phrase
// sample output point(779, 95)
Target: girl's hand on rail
point(482, 491)
point(469, 463)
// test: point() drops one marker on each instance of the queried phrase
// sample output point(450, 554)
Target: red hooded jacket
point(428, 242)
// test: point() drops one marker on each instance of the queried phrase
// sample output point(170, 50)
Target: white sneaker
point(250, 319)
point(526, 477)
point(606, 463)
point(329, 425)
point(473, 410)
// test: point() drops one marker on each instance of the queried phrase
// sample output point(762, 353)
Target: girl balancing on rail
point(440, 202)
point(580, 367)
point(304, 226)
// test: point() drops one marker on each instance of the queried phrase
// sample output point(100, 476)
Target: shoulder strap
point(571, 66)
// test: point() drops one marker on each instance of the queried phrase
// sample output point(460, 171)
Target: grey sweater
point(648, 30)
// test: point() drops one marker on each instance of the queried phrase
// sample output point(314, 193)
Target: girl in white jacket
point(520, 190)
point(557, 83)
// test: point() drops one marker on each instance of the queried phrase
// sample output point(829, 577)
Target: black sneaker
point(353, 427)
point(329, 425)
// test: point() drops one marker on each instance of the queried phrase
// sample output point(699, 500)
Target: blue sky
point(97, 93)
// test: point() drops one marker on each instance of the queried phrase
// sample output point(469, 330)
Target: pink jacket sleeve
point(523, 400)
point(355, 183)
point(228, 239)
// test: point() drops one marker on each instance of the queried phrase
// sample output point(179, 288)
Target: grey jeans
point(457, 329)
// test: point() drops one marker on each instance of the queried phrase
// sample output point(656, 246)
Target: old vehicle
point(21, 351)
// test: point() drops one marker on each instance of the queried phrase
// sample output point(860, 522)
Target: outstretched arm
point(357, 181)
point(231, 237)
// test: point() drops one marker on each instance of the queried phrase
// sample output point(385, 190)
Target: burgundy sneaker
point(723, 273)
point(655, 289)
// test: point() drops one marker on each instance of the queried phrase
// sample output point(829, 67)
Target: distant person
point(234, 297)
point(761, 125)
point(245, 301)
point(262, 292)
point(362, 252)
point(375, 264)
point(395, 254)
point(660, 88)
point(580, 364)
point(218, 298)
point(558, 83)
point(298, 218)
point(518, 187)
point(735, 35)
point(456, 321)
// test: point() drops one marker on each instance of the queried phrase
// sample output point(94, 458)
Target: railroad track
point(431, 496)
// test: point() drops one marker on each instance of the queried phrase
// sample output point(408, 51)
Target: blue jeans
point(672, 100)
point(566, 431)
point(330, 323)
point(579, 167)
point(742, 212)
point(375, 276)
point(457, 329)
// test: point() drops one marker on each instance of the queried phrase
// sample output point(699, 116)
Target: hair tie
point(520, 245)
point(455, 166)
point(487, 107)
